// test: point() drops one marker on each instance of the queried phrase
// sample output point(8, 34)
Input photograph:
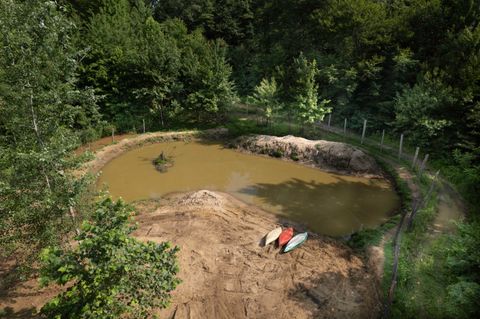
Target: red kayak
point(285, 236)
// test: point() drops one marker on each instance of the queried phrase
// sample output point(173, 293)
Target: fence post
point(400, 146)
point(422, 166)
point(415, 157)
point(363, 131)
point(143, 120)
point(329, 118)
point(113, 135)
point(383, 137)
point(345, 127)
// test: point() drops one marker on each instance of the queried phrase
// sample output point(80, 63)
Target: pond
point(327, 203)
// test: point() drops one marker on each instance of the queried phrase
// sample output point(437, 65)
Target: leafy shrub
point(109, 274)
point(276, 153)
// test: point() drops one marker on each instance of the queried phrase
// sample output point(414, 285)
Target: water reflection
point(332, 209)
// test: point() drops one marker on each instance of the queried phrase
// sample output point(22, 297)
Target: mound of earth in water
point(226, 273)
point(332, 156)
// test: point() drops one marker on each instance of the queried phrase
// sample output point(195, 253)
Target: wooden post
point(383, 137)
point(329, 119)
point(422, 166)
point(363, 131)
point(143, 126)
point(113, 135)
point(345, 127)
point(415, 157)
point(400, 147)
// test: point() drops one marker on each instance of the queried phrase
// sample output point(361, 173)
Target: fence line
point(419, 203)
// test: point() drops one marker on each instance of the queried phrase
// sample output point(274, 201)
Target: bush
point(109, 274)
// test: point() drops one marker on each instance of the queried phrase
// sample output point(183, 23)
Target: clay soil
point(228, 273)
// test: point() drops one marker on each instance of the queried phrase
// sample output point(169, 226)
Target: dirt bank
point(326, 155)
point(227, 274)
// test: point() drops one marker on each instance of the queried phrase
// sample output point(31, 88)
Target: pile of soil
point(227, 273)
point(330, 156)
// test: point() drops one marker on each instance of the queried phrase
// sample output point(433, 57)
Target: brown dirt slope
point(226, 272)
point(331, 156)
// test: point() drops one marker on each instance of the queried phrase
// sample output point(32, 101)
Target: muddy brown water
point(326, 203)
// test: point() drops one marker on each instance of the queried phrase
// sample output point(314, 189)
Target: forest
point(73, 71)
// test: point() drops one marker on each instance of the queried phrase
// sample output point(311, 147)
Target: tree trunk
point(72, 216)
point(37, 134)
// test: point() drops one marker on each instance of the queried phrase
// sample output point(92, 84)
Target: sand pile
point(226, 273)
point(332, 156)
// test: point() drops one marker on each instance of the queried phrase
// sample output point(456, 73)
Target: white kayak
point(273, 235)
point(296, 241)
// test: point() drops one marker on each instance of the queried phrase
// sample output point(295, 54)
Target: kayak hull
point(273, 235)
point(296, 241)
point(285, 236)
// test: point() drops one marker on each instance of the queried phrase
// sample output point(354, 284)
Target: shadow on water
point(334, 209)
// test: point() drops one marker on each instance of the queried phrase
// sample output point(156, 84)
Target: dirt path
point(450, 207)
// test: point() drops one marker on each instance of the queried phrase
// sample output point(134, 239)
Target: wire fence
point(382, 140)
point(396, 151)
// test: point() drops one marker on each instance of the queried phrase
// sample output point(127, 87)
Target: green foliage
point(305, 93)
point(43, 114)
point(464, 171)
point(157, 70)
point(420, 112)
point(265, 96)
point(109, 274)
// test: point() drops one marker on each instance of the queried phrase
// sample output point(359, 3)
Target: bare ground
point(226, 271)
point(329, 156)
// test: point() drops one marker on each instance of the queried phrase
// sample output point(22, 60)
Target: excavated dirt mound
point(331, 156)
point(227, 273)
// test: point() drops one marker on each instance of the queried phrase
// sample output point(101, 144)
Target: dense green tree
point(306, 105)
point(42, 115)
point(265, 96)
point(109, 273)
point(230, 20)
point(420, 112)
point(145, 68)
